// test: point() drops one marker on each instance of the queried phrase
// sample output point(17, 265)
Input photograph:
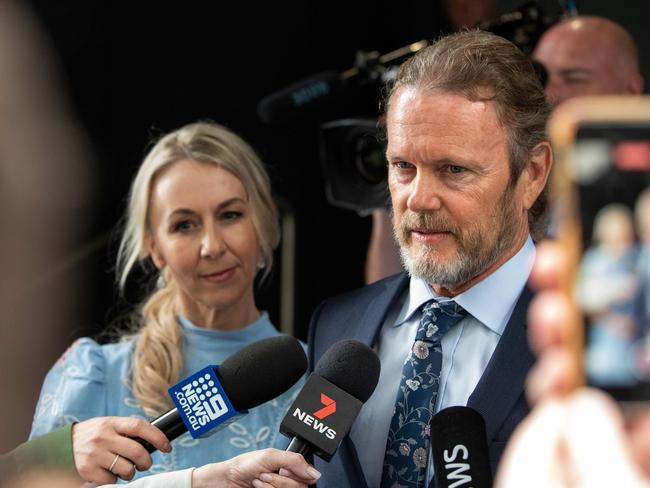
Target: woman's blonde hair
point(158, 356)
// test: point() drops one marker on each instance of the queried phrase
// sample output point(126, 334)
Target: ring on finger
point(117, 456)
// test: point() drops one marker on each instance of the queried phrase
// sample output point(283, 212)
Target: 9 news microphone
point(460, 451)
point(211, 397)
point(326, 407)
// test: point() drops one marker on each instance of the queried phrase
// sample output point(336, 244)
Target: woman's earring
point(261, 264)
point(160, 282)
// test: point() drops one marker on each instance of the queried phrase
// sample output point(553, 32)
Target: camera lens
point(369, 159)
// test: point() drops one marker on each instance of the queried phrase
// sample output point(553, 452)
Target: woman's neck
point(234, 317)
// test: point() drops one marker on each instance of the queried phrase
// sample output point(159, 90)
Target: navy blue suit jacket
point(498, 397)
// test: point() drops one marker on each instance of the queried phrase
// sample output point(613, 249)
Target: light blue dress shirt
point(466, 351)
point(92, 380)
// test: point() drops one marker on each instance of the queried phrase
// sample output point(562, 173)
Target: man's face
point(455, 216)
point(579, 62)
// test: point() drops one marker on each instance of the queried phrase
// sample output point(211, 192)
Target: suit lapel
point(367, 331)
point(503, 381)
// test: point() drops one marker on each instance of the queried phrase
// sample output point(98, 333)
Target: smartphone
point(601, 216)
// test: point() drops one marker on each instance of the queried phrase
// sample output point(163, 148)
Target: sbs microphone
point(326, 407)
point(209, 398)
point(460, 451)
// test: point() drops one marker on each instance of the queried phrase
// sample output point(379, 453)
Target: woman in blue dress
point(201, 217)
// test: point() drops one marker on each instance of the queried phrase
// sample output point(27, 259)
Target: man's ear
point(634, 85)
point(156, 257)
point(536, 173)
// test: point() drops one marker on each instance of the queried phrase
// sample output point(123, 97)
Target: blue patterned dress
point(92, 380)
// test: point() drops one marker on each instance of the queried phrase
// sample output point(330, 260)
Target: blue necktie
point(407, 447)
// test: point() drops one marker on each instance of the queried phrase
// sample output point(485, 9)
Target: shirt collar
point(490, 301)
point(200, 336)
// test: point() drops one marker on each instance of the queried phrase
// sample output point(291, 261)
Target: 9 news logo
point(201, 402)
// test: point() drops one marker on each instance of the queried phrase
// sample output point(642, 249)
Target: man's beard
point(477, 249)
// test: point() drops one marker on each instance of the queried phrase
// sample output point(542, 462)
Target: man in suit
point(468, 163)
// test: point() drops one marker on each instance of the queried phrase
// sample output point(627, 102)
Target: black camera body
point(352, 153)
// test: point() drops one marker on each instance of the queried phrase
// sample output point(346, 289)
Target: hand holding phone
point(601, 194)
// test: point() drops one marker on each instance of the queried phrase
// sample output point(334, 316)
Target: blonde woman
point(200, 212)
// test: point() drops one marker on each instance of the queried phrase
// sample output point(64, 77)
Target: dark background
point(134, 71)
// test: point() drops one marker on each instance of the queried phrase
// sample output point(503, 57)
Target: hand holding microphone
point(207, 399)
point(95, 443)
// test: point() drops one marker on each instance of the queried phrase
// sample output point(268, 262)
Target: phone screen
point(610, 165)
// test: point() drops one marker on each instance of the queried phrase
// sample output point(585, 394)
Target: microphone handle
point(171, 425)
point(299, 445)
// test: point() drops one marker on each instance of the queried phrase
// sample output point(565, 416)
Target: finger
point(549, 321)
point(300, 478)
point(549, 263)
point(132, 451)
point(98, 469)
point(639, 435)
point(531, 456)
point(551, 376)
point(268, 480)
point(609, 461)
point(123, 468)
point(291, 463)
point(101, 475)
point(134, 427)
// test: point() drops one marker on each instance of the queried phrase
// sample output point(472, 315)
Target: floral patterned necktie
point(407, 447)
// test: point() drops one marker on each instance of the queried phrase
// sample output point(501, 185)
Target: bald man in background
point(584, 55)
point(588, 55)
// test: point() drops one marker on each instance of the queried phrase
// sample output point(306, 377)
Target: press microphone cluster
point(460, 451)
point(328, 404)
point(211, 397)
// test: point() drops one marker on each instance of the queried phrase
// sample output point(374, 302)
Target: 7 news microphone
point(328, 404)
point(460, 451)
point(208, 399)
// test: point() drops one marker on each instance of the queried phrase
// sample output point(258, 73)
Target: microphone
point(213, 396)
point(326, 407)
point(460, 451)
point(293, 102)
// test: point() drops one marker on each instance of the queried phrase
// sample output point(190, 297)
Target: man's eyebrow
point(574, 71)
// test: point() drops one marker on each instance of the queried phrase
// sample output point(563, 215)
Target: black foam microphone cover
point(460, 450)
point(352, 366)
point(262, 371)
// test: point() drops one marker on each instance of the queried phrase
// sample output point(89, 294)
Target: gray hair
point(485, 67)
